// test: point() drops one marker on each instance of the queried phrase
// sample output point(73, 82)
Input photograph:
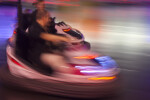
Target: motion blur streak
point(113, 27)
point(86, 57)
point(62, 4)
point(102, 78)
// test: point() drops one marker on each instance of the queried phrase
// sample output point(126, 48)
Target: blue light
point(103, 58)
point(106, 62)
point(7, 21)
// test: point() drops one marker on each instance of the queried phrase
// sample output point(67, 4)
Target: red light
point(14, 32)
point(14, 61)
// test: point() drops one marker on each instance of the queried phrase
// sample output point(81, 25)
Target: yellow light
point(102, 78)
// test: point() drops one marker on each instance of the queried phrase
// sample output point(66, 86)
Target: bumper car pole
point(19, 14)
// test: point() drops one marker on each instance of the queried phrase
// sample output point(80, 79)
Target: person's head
point(44, 17)
point(39, 4)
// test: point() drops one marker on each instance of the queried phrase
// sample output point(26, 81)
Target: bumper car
point(95, 75)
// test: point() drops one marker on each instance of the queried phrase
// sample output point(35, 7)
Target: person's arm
point(53, 38)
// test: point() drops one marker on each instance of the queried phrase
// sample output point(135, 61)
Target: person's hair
point(41, 14)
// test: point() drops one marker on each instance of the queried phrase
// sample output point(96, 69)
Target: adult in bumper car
point(42, 45)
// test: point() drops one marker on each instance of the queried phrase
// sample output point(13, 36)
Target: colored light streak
point(88, 67)
point(15, 62)
point(86, 57)
point(61, 4)
point(66, 30)
point(102, 78)
point(93, 71)
point(103, 58)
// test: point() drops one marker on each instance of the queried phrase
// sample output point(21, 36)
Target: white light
point(88, 67)
point(94, 71)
